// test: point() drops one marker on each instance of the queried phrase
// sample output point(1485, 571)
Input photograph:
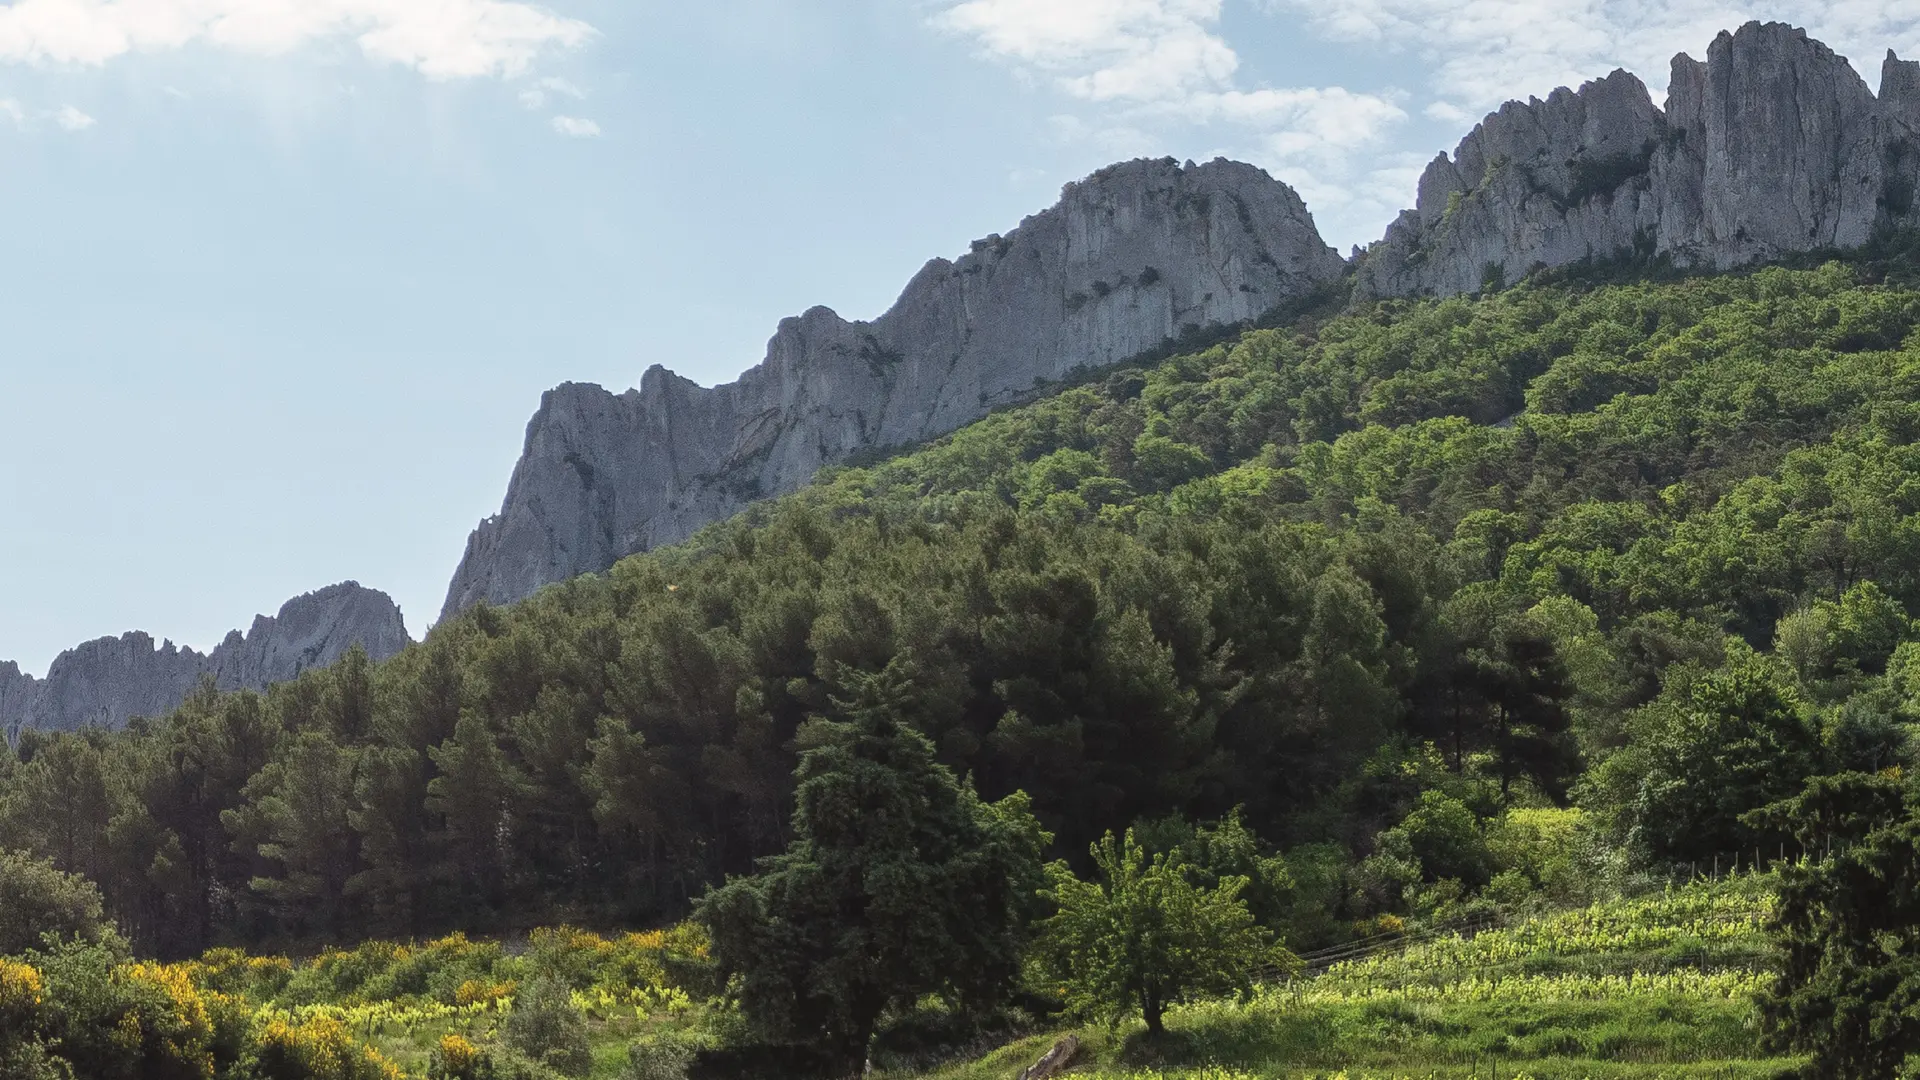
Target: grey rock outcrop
point(1773, 145)
point(1130, 258)
point(18, 693)
point(104, 682)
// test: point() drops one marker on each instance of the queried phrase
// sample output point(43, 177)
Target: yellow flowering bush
point(169, 1027)
point(20, 993)
point(481, 992)
point(567, 952)
point(455, 1059)
point(231, 971)
point(652, 960)
point(318, 1049)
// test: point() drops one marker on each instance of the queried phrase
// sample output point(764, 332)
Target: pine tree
point(899, 883)
point(296, 816)
point(473, 798)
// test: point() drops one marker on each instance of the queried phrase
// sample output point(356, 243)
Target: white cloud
point(1156, 76)
point(574, 127)
point(535, 96)
point(14, 111)
point(1146, 68)
point(1305, 121)
point(73, 119)
point(1104, 50)
point(1152, 62)
point(560, 86)
point(1484, 52)
point(442, 39)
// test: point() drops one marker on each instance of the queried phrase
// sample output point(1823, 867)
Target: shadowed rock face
point(1772, 145)
point(105, 682)
point(1130, 258)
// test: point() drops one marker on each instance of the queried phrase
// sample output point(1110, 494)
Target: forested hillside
point(1307, 572)
point(1486, 601)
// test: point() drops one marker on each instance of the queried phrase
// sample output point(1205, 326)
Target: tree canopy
point(899, 883)
point(1531, 549)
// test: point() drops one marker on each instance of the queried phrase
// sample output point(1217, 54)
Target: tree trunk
point(1152, 1009)
point(859, 1043)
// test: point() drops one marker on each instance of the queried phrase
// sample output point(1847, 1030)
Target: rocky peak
point(1130, 258)
point(1773, 144)
point(105, 682)
point(1900, 87)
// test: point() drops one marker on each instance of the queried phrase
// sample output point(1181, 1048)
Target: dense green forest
point(1426, 607)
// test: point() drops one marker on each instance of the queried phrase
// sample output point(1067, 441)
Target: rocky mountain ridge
point(1131, 258)
point(105, 682)
point(1771, 145)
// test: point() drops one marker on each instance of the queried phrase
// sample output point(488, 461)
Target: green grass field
point(1654, 987)
point(1657, 986)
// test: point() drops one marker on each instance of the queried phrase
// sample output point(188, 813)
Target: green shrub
point(36, 899)
point(1443, 834)
point(546, 1027)
point(457, 1059)
point(662, 1057)
point(113, 1020)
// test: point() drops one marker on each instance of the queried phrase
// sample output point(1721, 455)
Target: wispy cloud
point(1480, 53)
point(442, 39)
point(1105, 50)
point(535, 96)
point(574, 127)
point(1146, 68)
point(1148, 76)
point(73, 119)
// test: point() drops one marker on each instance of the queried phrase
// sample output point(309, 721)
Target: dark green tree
point(1532, 733)
point(899, 883)
point(472, 798)
point(1848, 924)
point(297, 818)
point(1716, 745)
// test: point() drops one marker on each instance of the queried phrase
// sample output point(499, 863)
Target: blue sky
point(284, 279)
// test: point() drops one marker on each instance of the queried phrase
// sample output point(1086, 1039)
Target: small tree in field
point(899, 883)
point(1146, 937)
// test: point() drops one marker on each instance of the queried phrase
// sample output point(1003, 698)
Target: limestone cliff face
point(1772, 145)
point(1131, 257)
point(18, 693)
point(105, 682)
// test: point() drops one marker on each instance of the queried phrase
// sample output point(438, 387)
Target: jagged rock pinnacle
point(1772, 145)
point(105, 682)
